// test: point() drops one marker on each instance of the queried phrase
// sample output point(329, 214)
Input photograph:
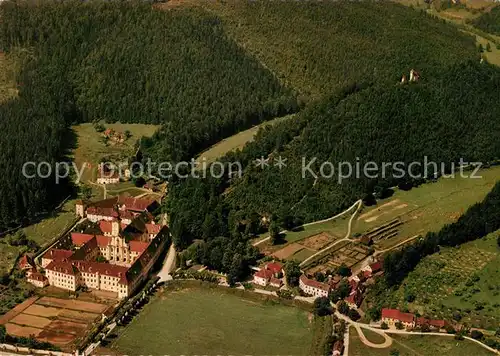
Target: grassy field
point(411, 345)
point(50, 227)
point(373, 336)
point(426, 208)
point(463, 279)
point(8, 255)
point(202, 321)
point(43, 232)
point(235, 142)
point(91, 149)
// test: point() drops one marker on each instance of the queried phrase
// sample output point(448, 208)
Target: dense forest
point(122, 61)
point(318, 47)
point(439, 119)
point(195, 73)
point(489, 21)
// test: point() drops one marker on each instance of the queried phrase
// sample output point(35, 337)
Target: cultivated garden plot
point(62, 322)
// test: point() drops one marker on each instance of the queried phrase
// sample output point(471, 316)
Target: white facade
point(312, 290)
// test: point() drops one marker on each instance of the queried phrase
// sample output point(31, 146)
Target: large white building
point(130, 250)
point(314, 288)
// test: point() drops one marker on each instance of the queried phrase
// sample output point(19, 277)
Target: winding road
point(388, 340)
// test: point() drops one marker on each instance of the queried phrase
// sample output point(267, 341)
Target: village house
point(36, 278)
point(105, 175)
point(314, 288)
point(372, 269)
point(26, 262)
point(355, 298)
point(392, 316)
point(269, 274)
point(431, 323)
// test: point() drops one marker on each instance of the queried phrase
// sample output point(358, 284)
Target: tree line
point(121, 61)
point(489, 21)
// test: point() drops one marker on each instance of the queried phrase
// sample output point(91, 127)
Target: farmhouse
point(392, 316)
point(107, 176)
point(437, 324)
point(36, 278)
point(269, 274)
point(312, 287)
point(370, 270)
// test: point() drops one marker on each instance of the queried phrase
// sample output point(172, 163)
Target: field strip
point(17, 310)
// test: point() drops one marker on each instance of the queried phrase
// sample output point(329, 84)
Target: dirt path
point(358, 206)
point(359, 203)
point(362, 337)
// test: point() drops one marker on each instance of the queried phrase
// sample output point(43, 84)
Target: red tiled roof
point(135, 204)
point(106, 269)
point(275, 281)
point(138, 246)
point(25, 262)
point(264, 273)
point(107, 226)
point(397, 315)
point(153, 228)
point(274, 267)
point(103, 241)
point(432, 322)
point(314, 284)
point(57, 254)
point(62, 266)
point(377, 266)
point(95, 210)
point(80, 239)
point(37, 276)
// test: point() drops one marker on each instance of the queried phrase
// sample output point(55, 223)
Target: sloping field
point(426, 208)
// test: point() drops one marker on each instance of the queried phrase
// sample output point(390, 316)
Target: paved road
point(362, 337)
point(168, 265)
point(384, 333)
point(404, 332)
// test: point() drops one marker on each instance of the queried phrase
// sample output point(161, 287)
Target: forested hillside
point(321, 46)
point(489, 21)
point(453, 116)
point(122, 61)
